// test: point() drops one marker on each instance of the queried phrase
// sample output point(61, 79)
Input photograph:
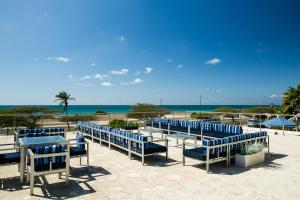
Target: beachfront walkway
point(114, 176)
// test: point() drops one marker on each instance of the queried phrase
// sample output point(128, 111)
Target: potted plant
point(251, 154)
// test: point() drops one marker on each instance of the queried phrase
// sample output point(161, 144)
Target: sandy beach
point(113, 176)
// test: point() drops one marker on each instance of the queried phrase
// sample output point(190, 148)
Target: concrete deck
point(113, 176)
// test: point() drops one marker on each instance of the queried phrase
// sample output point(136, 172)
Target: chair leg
point(80, 160)
point(207, 166)
point(143, 160)
point(31, 183)
point(59, 175)
point(183, 160)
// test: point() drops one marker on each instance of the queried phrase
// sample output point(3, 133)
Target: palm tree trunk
point(67, 116)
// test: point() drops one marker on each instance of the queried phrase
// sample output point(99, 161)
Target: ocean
point(114, 109)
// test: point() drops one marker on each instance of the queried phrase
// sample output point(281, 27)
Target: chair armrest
point(16, 146)
point(6, 144)
point(49, 155)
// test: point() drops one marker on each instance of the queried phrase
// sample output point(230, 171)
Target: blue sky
point(124, 52)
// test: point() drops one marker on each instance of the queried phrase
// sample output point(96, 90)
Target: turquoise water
point(90, 109)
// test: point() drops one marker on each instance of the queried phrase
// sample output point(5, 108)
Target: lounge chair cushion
point(152, 148)
point(9, 158)
point(79, 139)
point(75, 151)
point(197, 153)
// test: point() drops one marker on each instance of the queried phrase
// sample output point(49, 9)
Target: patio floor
point(113, 176)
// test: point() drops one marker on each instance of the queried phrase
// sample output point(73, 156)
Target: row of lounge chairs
point(196, 128)
point(132, 143)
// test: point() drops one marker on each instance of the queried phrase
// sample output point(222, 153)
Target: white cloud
point(219, 90)
point(213, 61)
point(121, 38)
point(180, 66)
point(273, 96)
point(85, 77)
point(119, 72)
point(36, 59)
point(148, 70)
point(137, 81)
point(207, 88)
point(98, 76)
point(59, 59)
point(93, 64)
point(106, 84)
point(169, 60)
point(70, 76)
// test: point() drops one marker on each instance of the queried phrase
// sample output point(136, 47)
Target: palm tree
point(64, 98)
point(291, 100)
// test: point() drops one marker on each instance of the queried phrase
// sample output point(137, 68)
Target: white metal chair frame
point(31, 173)
point(73, 142)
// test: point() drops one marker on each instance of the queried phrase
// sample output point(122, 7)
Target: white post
point(260, 123)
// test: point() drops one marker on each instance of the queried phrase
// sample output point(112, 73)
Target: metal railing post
point(260, 123)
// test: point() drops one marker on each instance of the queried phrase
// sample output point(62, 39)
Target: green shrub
point(146, 111)
point(228, 110)
point(202, 115)
point(117, 123)
point(76, 118)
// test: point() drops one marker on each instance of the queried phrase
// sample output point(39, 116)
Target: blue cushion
point(9, 158)
point(80, 138)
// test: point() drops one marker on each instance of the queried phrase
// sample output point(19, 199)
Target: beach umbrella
point(279, 122)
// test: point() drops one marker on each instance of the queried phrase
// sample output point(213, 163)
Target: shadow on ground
point(79, 183)
point(12, 184)
point(220, 167)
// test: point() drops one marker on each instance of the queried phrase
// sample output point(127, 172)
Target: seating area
point(224, 149)
point(222, 141)
point(39, 152)
point(197, 128)
point(133, 143)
